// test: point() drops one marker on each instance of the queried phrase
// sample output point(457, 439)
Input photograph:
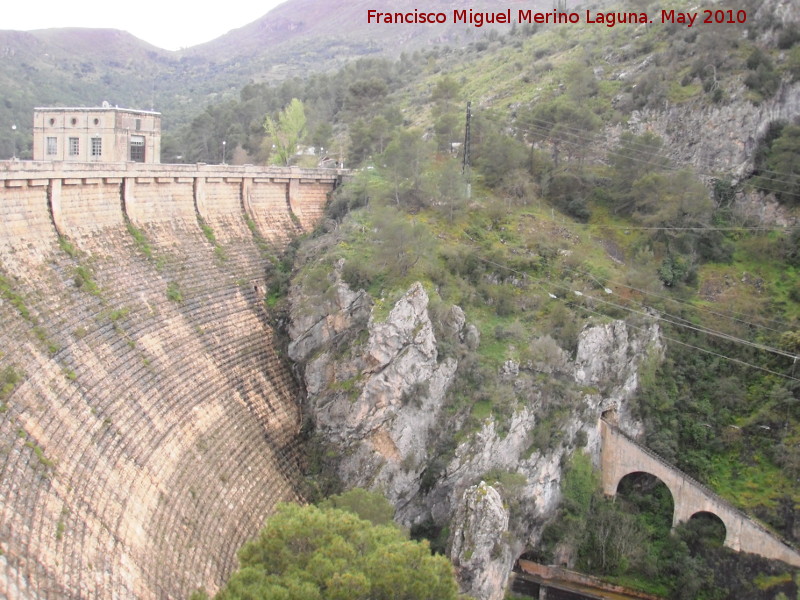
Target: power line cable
point(711, 352)
point(727, 315)
point(543, 125)
point(754, 228)
point(681, 322)
point(538, 282)
point(720, 313)
point(581, 140)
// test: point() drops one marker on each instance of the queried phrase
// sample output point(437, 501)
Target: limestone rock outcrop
point(610, 357)
point(380, 405)
point(478, 547)
point(723, 138)
point(694, 132)
point(377, 394)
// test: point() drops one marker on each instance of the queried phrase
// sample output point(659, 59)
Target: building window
point(137, 148)
point(74, 146)
point(52, 146)
point(97, 147)
point(138, 124)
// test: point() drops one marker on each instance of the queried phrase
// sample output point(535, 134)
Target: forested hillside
point(84, 67)
point(588, 203)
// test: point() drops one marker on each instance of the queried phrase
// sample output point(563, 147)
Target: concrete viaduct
point(621, 456)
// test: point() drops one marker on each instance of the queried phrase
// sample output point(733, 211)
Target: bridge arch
point(687, 498)
point(699, 503)
point(638, 473)
point(646, 492)
point(710, 526)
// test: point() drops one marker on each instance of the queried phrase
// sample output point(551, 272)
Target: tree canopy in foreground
point(308, 553)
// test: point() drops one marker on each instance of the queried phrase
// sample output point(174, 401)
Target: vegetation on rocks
point(565, 227)
point(9, 378)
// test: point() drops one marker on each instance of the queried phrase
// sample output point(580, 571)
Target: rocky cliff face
point(378, 396)
point(480, 549)
point(718, 138)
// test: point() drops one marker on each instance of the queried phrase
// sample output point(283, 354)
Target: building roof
point(95, 109)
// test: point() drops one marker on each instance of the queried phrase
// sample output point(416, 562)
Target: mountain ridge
point(83, 66)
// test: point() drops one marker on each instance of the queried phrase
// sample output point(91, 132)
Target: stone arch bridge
point(622, 456)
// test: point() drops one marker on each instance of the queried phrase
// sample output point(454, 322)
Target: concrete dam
point(147, 424)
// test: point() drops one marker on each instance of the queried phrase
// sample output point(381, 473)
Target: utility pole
point(465, 165)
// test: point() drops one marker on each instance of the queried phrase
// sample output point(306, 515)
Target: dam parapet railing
point(17, 169)
point(280, 202)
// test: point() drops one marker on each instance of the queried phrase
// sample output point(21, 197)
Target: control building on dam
point(147, 424)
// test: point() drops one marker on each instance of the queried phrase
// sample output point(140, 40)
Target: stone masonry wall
point(308, 206)
point(24, 212)
point(269, 205)
point(90, 204)
point(147, 426)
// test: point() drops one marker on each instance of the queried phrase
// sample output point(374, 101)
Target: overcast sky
point(169, 24)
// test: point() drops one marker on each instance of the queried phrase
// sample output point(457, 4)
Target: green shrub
point(780, 155)
point(174, 292)
point(370, 506)
point(9, 378)
point(359, 272)
point(789, 36)
point(67, 246)
point(208, 232)
point(83, 280)
point(140, 239)
point(310, 552)
point(762, 78)
point(119, 313)
point(10, 295)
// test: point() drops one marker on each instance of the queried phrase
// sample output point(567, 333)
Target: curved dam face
point(147, 426)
